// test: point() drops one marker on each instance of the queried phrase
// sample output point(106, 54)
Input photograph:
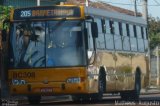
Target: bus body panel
point(121, 68)
point(49, 81)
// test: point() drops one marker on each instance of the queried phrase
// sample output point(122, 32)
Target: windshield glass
point(47, 44)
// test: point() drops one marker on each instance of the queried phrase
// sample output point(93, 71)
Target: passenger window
point(142, 32)
point(139, 34)
point(108, 36)
point(120, 29)
point(128, 31)
point(124, 29)
point(135, 31)
point(125, 38)
point(103, 25)
point(145, 33)
point(99, 23)
point(100, 41)
point(90, 39)
point(111, 24)
point(107, 27)
point(116, 26)
point(117, 37)
point(133, 39)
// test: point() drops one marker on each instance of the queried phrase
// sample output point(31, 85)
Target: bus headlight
point(74, 80)
point(18, 82)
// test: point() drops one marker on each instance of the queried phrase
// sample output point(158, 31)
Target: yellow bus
point(77, 51)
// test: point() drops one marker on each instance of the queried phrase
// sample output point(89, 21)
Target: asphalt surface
point(108, 100)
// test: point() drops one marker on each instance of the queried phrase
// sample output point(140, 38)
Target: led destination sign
point(47, 12)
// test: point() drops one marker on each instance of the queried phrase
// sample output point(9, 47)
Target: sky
point(153, 5)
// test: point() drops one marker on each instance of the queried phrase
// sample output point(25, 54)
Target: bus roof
point(115, 15)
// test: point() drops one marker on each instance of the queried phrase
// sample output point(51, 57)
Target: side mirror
point(94, 29)
point(4, 35)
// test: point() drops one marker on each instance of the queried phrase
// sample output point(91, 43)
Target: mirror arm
point(88, 17)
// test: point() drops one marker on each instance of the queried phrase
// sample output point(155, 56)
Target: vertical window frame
point(142, 32)
point(135, 31)
point(120, 28)
point(128, 30)
point(111, 24)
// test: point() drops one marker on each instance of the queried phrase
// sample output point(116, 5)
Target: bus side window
point(133, 39)
point(125, 38)
point(107, 26)
point(108, 36)
point(117, 37)
point(145, 38)
point(145, 32)
point(90, 39)
point(135, 31)
point(100, 39)
point(111, 24)
point(142, 32)
point(103, 25)
point(127, 28)
point(140, 39)
point(120, 28)
point(124, 29)
point(99, 24)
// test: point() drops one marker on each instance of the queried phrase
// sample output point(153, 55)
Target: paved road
point(108, 100)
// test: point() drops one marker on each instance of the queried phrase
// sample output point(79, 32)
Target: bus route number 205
point(26, 13)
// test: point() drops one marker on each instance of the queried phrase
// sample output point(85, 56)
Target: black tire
point(93, 97)
point(124, 95)
point(101, 88)
point(137, 88)
point(76, 98)
point(81, 98)
point(134, 94)
point(34, 99)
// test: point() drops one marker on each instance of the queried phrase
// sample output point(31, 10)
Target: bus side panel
point(121, 68)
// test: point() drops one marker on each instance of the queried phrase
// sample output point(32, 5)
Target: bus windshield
point(47, 44)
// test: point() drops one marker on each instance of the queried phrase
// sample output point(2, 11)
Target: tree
point(4, 14)
point(154, 32)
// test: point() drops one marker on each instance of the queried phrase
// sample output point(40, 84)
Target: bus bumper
point(54, 88)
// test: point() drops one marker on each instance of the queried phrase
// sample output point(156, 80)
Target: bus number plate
point(46, 90)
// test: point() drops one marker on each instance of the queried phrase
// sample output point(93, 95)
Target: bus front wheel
point(101, 88)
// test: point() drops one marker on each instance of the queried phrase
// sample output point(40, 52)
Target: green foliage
point(4, 14)
point(154, 32)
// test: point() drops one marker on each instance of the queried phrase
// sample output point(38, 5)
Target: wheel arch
point(138, 74)
point(102, 73)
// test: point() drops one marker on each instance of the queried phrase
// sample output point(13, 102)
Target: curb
point(150, 91)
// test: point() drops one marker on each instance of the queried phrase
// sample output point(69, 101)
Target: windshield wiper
point(59, 23)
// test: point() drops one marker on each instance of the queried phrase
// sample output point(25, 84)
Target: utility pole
point(157, 52)
point(145, 16)
point(135, 8)
point(145, 9)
